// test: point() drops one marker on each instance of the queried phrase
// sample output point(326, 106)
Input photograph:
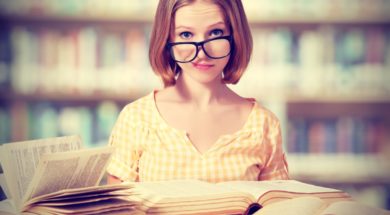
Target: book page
point(70, 196)
point(296, 206)
point(259, 188)
point(184, 189)
point(108, 206)
point(8, 208)
point(20, 159)
point(188, 197)
point(66, 170)
point(352, 208)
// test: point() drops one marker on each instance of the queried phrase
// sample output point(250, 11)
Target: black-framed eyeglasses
point(215, 48)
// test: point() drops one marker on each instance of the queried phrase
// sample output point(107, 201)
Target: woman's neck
point(201, 95)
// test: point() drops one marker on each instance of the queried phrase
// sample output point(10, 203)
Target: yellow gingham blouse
point(148, 149)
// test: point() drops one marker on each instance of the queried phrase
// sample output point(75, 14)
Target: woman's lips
point(202, 66)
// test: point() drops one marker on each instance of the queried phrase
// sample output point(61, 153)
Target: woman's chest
point(204, 129)
point(237, 157)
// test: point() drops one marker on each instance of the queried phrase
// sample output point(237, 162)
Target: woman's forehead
point(198, 13)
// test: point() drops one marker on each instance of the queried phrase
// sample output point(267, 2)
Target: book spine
point(80, 61)
point(50, 119)
point(354, 135)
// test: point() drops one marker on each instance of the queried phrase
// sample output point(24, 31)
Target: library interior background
point(68, 67)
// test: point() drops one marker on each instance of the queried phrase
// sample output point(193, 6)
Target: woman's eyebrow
point(220, 23)
point(217, 24)
point(183, 27)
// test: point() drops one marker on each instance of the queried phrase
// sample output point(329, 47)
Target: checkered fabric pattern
point(148, 149)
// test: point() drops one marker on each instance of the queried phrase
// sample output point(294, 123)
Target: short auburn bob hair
point(160, 58)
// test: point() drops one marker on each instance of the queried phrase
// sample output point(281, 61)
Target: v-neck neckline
point(184, 133)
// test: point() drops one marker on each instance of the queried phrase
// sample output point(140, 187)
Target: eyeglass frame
point(229, 38)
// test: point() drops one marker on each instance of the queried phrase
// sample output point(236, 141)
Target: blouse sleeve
point(124, 138)
point(275, 166)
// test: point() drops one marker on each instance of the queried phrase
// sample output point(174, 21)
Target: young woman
point(196, 127)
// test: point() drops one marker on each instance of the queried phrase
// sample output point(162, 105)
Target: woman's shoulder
point(140, 104)
point(139, 110)
point(263, 114)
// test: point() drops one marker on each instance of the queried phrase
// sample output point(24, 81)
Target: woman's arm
point(113, 180)
point(123, 165)
point(276, 166)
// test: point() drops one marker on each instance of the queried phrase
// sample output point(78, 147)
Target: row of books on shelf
point(77, 60)
point(354, 135)
point(254, 9)
point(45, 119)
point(327, 60)
point(90, 59)
point(345, 46)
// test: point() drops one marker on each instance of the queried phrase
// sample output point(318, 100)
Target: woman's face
point(197, 22)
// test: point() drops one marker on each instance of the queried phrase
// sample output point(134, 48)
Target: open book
point(38, 167)
point(180, 197)
point(234, 197)
point(311, 205)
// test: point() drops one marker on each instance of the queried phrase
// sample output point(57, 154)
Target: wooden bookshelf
point(76, 20)
point(335, 108)
point(71, 98)
point(341, 169)
point(328, 20)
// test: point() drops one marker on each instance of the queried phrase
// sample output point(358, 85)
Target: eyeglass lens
point(217, 48)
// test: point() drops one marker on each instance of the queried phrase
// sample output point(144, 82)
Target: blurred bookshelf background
point(68, 67)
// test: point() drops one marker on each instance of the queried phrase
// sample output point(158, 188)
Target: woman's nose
point(201, 53)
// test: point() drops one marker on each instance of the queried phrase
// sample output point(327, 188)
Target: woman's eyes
point(216, 32)
point(185, 35)
point(213, 33)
